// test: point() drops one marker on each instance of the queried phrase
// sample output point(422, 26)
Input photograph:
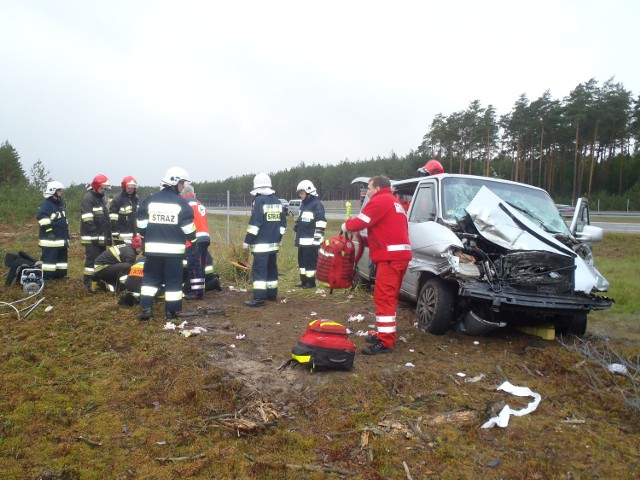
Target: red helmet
point(136, 242)
point(100, 181)
point(129, 182)
point(432, 167)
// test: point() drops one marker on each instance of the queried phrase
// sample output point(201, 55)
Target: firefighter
point(122, 211)
point(197, 252)
point(432, 167)
point(54, 232)
point(388, 239)
point(95, 229)
point(309, 228)
point(165, 221)
point(113, 265)
point(264, 234)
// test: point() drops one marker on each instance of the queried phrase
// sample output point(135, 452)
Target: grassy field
point(90, 393)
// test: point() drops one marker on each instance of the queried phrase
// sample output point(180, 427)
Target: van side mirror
point(590, 233)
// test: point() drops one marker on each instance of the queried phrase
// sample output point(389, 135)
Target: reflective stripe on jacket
point(388, 230)
point(311, 223)
point(266, 225)
point(95, 227)
point(52, 218)
point(122, 215)
point(165, 220)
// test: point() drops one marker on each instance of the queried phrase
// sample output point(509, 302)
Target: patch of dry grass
point(89, 392)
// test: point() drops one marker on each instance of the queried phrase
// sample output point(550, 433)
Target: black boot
point(303, 282)
point(145, 314)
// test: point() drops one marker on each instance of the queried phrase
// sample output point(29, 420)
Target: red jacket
point(199, 219)
point(388, 231)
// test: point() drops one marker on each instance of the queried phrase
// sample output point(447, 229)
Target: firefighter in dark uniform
point(95, 229)
point(165, 221)
point(264, 234)
point(54, 232)
point(310, 226)
point(122, 211)
point(113, 265)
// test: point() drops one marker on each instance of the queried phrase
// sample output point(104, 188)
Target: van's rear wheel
point(436, 306)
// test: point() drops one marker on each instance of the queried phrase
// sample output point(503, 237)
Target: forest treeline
point(586, 144)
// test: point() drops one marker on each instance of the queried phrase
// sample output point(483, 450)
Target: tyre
point(572, 324)
point(436, 306)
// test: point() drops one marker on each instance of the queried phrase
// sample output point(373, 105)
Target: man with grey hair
point(197, 253)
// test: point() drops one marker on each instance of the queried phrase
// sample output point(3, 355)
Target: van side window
point(423, 207)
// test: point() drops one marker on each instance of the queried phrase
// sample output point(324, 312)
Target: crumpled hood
point(503, 225)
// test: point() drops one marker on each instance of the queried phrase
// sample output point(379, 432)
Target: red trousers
point(385, 296)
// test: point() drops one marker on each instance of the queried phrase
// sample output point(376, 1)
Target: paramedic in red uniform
point(388, 239)
point(165, 221)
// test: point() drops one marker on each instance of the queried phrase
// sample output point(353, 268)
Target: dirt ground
point(252, 343)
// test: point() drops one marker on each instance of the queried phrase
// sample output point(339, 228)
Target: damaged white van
point(489, 253)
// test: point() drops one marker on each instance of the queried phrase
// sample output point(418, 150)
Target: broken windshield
point(537, 204)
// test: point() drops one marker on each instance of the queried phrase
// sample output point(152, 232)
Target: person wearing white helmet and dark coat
point(54, 232)
point(309, 228)
point(95, 228)
point(123, 209)
point(165, 221)
point(264, 234)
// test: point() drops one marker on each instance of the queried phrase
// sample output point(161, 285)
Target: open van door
point(581, 227)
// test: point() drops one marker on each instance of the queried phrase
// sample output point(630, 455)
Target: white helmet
point(262, 185)
point(307, 186)
point(51, 188)
point(261, 180)
point(174, 176)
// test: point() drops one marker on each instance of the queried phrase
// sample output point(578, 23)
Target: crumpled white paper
point(618, 368)
point(502, 419)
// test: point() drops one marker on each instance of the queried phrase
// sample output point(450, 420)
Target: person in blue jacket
point(310, 226)
point(264, 234)
point(53, 237)
point(165, 221)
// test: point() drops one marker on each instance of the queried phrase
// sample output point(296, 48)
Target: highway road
point(618, 227)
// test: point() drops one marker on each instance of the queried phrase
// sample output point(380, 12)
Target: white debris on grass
point(476, 342)
point(618, 368)
point(356, 318)
point(240, 336)
point(49, 308)
point(313, 314)
point(183, 331)
point(475, 379)
point(234, 289)
point(362, 333)
point(462, 375)
point(284, 300)
point(193, 331)
point(409, 364)
point(502, 419)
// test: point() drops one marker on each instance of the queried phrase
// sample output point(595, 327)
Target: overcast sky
point(226, 88)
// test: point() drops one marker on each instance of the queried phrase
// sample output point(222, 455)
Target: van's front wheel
point(435, 306)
